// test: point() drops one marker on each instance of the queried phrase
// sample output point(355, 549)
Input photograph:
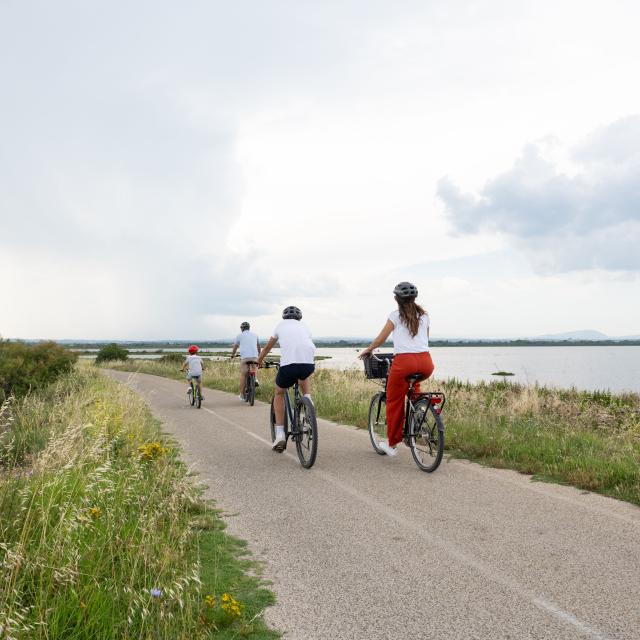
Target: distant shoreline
point(157, 347)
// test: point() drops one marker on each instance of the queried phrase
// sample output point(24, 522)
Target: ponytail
point(410, 314)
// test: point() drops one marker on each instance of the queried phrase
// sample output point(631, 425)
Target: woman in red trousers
point(410, 326)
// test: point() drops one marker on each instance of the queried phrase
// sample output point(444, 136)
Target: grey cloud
point(585, 221)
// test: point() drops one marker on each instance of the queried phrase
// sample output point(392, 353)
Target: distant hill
point(585, 334)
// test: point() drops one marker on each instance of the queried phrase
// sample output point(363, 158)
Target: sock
point(308, 395)
point(279, 432)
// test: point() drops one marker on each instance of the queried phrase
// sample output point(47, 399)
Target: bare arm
point(267, 347)
point(233, 351)
point(378, 340)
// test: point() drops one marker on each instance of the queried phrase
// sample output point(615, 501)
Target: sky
point(169, 170)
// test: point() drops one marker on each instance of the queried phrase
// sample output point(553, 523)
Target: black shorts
point(291, 373)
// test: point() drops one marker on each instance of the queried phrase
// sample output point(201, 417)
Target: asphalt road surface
point(367, 547)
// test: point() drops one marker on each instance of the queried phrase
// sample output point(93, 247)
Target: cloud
point(587, 220)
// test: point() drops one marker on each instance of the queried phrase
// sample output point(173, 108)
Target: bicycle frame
point(436, 402)
point(290, 407)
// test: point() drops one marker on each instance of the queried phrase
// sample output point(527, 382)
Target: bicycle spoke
point(307, 437)
point(426, 437)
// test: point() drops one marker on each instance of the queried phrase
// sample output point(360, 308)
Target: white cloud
point(589, 220)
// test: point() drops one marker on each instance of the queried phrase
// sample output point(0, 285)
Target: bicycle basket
point(378, 366)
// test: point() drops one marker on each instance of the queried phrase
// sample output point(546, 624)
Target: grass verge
point(104, 533)
point(590, 440)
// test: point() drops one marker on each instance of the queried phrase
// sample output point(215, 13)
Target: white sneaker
point(241, 398)
point(383, 445)
point(279, 444)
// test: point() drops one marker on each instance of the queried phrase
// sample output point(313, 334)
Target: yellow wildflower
point(210, 601)
point(231, 605)
point(95, 512)
point(151, 450)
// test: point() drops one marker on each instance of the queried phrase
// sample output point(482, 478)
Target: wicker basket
point(377, 366)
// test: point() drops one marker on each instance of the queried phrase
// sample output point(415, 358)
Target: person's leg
point(243, 379)
point(304, 373)
point(305, 386)
point(280, 441)
point(423, 365)
point(396, 391)
point(278, 406)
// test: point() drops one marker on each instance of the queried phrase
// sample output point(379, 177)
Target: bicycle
point(300, 423)
point(193, 393)
point(250, 385)
point(423, 430)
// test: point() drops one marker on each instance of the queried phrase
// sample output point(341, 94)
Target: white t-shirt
point(403, 342)
point(247, 342)
point(295, 343)
point(195, 365)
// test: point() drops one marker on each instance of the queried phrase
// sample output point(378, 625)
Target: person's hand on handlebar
point(365, 353)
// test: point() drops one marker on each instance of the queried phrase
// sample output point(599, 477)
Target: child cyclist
point(297, 353)
point(249, 346)
point(194, 366)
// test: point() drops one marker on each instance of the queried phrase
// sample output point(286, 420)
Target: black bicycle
point(250, 384)
point(300, 423)
point(423, 429)
point(193, 393)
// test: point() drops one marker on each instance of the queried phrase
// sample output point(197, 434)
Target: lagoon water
point(613, 368)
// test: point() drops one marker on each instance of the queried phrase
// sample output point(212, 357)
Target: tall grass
point(103, 533)
point(588, 439)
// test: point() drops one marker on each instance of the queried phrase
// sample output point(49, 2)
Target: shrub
point(111, 352)
point(31, 366)
point(172, 358)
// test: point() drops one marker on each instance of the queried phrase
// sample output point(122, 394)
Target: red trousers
point(404, 364)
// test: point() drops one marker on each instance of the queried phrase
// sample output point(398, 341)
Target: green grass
point(590, 440)
point(103, 534)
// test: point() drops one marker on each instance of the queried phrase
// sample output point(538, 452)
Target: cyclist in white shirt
point(297, 353)
point(194, 366)
point(410, 326)
point(249, 346)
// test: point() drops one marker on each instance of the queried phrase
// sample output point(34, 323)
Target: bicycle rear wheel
point(251, 389)
point(192, 395)
point(198, 398)
point(378, 420)
point(426, 436)
point(307, 436)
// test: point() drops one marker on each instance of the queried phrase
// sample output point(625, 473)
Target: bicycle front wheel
point(378, 420)
point(307, 435)
point(426, 436)
point(251, 389)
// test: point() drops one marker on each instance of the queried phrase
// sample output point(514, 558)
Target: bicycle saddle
point(414, 377)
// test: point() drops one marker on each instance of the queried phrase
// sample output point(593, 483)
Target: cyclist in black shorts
point(297, 353)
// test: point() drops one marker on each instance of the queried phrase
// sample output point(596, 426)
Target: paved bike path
point(366, 547)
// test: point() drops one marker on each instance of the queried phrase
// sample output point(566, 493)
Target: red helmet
point(193, 349)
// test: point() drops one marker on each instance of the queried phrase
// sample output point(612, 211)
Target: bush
point(172, 358)
point(111, 352)
point(31, 366)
